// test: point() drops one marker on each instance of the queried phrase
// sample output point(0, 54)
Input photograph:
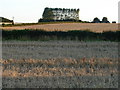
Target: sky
point(29, 11)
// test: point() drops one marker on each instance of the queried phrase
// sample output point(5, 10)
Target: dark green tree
point(96, 20)
point(48, 14)
point(105, 20)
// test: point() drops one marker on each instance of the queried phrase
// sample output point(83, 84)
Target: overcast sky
point(31, 10)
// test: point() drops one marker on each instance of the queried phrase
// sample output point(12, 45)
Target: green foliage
point(96, 20)
point(105, 20)
point(59, 35)
point(48, 14)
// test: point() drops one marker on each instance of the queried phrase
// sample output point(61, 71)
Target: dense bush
point(59, 35)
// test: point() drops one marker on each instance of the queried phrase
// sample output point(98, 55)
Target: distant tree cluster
point(66, 15)
point(59, 14)
point(48, 14)
point(97, 20)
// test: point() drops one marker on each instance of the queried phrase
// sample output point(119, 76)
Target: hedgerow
point(59, 35)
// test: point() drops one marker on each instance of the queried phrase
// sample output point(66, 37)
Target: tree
point(48, 14)
point(105, 20)
point(96, 20)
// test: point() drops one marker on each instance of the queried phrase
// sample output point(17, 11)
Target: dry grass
point(59, 67)
point(62, 64)
point(95, 27)
point(65, 61)
point(58, 49)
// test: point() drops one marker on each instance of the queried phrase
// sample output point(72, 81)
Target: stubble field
point(65, 64)
point(94, 27)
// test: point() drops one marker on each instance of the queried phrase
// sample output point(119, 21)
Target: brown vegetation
point(63, 64)
point(59, 67)
point(95, 27)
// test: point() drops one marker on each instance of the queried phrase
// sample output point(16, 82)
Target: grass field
point(58, 49)
point(94, 27)
point(62, 73)
point(63, 64)
point(59, 67)
point(60, 59)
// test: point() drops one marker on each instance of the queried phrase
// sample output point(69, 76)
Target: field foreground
point(63, 64)
point(58, 49)
point(94, 27)
point(69, 73)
